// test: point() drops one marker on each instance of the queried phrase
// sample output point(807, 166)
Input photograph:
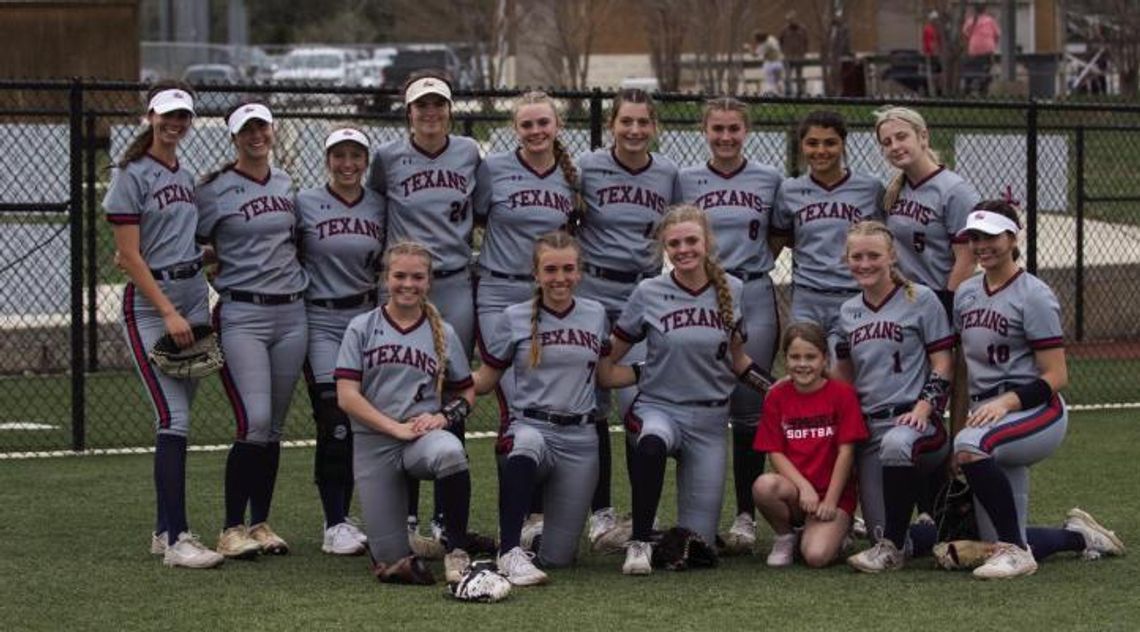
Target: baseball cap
point(989, 223)
point(428, 85)
point(171, 100)
point(346, 135)
point(243, 114)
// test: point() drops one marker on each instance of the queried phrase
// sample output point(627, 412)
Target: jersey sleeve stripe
point(626, 336)
point(348, 374)
point(459, 384)
point(124, 219)
point(941, 344)
point(1047, 343)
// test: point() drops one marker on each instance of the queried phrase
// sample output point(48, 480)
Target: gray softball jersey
point(252, 224)
point(739, 206)
point(818, 216)
point(687, 342)
point(924, 220)
point(342, 241)
point(397, 367)
point(623, 209)
point(429, 196)
point(159, 199)
point(889, 344)
point(572, 343)
point(518, 204)
point(1002, 327)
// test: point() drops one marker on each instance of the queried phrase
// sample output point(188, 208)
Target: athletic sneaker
point(1008, 560)
point(454, 564)
point(158, 543)
point(884, 556)
point(437, 530)
point(270, 542)
point(353, 526)
point(1098, 540)
point(235, 543)
point(783, 549)
point(638, 558)
point(519, 569)
point(188, 552)
point(531, 532)
point(859, 527)
point(423, 546)
point(339, 540)
point(601, 521)
point(741, 537)
point(962, 554)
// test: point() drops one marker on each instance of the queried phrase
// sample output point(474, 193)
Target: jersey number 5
point(919, 242)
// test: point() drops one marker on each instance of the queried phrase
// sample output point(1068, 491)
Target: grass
point(76, 559)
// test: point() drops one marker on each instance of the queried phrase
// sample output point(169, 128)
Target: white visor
point(347, 135)
point(989, 223)
point(245, 113)
point(171, 100)
point(425, 86)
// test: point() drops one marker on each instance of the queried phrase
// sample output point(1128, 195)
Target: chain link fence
point(66, 379)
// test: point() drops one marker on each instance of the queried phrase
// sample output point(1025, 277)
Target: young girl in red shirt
point(809, 429)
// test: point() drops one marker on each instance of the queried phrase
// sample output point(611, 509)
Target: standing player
point(150, 205)
point(342, 239)
point(403, 379)
point(246, 212)
point(815, 210)
point(895, 343)
point(808, 430)
point(690, 321)
point(1010, 325)
point(738, 195)
point(429, 182)
point(520, 195)
point(553, 343)
point(625, 189)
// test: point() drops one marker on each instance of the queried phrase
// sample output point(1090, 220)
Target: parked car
point(203, 76)
point(317, 67)
point(420, 57)
point(368, 74)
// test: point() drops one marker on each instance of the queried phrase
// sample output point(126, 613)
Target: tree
point(1122, 35)
point(666, 21)
point(718, 27)
point(573, 25)
point(951, 16)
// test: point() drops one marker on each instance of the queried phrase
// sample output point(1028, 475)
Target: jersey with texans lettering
point(342, 241)
point(925, 219)
point(159, 199)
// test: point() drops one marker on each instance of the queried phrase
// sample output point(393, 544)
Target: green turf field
point(73, 556)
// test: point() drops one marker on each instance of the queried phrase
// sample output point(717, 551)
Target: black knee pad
point(333, 462)
point(651, 446)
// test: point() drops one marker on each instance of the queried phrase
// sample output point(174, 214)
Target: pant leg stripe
point(933, 443)
point(1020, 429)
point(230, 386)
point(150, 380)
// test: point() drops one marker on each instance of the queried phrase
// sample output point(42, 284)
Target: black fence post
point(75, 216)
point(1079, 302)
point(90, 247)
point(595, 119)
point(1031, 188)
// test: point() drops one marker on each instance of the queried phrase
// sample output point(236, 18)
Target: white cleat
point(638, 558)
point(531, 535)
point(519, 568)
point(158, 543)
point(340, 540)
point(353, 526)
point(1098, 540)
point(783, 550)
point(188, 552)
point(884, 556)
point(741, 537)
point(1008, 560)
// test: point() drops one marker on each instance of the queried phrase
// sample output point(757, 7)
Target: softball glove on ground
point(680, 549)
point(406, 570)
point(202, 358)
point(481, 582)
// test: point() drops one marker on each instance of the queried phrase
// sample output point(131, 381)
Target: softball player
point(625, 189)
point(809, 428)
point(815, 210)
point(690, 321)
point(429, 182)
point(247, 212)
point(342, 240)
point(737, 194)
point(1010, 326)
point(895, 343)
point(150, 205)
point(553, 343)
point(520, 195)
point(394, 368)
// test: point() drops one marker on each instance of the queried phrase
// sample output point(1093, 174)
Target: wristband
point(637, 366)
point(1034, 393)
point(936, 391)
point(455, 411)
point(756, 378)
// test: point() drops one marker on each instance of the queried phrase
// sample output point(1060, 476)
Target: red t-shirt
point(808, 428)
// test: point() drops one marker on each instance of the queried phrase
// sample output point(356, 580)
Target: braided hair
point(870, 228)
point(561, 154)
point(558, 240)
point(681, 213)
point(435, 321)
